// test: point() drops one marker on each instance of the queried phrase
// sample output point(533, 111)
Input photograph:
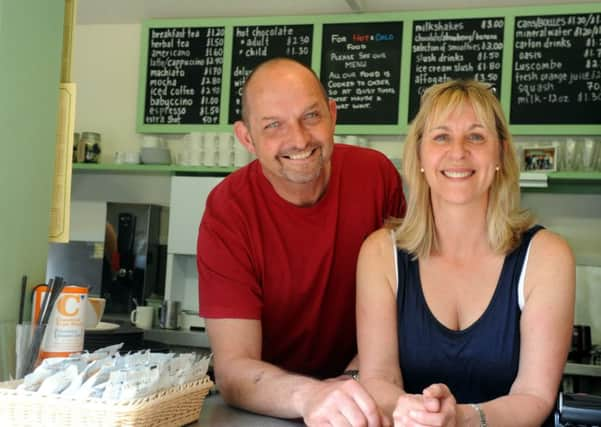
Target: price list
point(183, 76)
point(253, 45)
point(557, 70)
point(361, 69)
point(455, 49)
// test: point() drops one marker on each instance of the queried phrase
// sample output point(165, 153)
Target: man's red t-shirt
point(293, 268)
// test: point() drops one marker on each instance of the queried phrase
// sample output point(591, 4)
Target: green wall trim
point(31, 34)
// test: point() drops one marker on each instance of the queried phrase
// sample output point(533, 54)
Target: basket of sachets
point(105, 388)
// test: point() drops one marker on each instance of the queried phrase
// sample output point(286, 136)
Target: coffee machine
point(134, 266)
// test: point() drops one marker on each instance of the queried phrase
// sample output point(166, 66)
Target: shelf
point(151, 169)
point(557, 182)
point(570, 182)
point(580, 369)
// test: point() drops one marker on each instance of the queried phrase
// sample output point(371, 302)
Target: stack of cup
point(574, 155)
point(225, 147)
point(590, 153)
point(596, 161)
point(210, 149)
point(153, 150)
point(194, 149)
point(241, 155)
point(152, 141)
point(126, 157)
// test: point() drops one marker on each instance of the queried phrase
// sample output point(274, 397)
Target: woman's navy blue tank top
point(478, 363)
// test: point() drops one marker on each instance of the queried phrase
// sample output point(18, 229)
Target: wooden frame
point(540, 159)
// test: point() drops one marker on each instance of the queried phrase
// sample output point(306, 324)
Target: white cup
point(142, 316)
point(210, 146)
point(94, 310)
point(225, 141)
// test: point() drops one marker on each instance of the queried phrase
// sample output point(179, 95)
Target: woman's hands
point(436, 406)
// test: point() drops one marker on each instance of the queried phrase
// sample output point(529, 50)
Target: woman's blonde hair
point(416, 233)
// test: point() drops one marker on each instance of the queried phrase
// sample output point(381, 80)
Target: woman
point(464, 310)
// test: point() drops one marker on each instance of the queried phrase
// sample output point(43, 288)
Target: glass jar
point(89, 143)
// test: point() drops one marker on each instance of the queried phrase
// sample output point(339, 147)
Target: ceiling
point(136, 11)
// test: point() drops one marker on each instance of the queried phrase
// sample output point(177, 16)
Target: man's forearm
point(385, 393)
point(261, 387)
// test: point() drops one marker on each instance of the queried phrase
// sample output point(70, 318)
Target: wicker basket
point(175, 406)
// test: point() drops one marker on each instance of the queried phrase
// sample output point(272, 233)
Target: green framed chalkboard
point(544, 63)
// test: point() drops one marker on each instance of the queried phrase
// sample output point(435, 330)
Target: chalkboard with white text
point(361, 70)
point(557, 69)
point(455, 49)
point(543, 63)
point(183, 80)
point(255, 44)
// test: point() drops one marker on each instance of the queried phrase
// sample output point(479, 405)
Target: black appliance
point(134, 268)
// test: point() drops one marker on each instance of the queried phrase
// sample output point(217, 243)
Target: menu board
point(557, 69)
point(255, 44)
point(183, 75)
point(455, 49)
point(361, 69)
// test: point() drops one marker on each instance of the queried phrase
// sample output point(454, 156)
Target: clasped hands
point(346, 403)
point(436, 406)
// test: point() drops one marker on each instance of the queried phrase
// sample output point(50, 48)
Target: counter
point(216, 413)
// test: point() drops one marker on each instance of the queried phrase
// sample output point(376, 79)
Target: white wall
point(30, 52)
point(105, 68)
point(588, 298)
point(577, 218)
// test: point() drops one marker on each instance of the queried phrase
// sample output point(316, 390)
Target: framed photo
point(540, 159)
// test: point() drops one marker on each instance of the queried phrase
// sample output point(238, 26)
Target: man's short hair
point(245, 107)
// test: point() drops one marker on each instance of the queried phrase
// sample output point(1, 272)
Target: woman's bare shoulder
point(550, 245)
point(551, 261)
point(379, 241)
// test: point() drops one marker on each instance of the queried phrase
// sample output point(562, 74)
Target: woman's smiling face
point(459, 155)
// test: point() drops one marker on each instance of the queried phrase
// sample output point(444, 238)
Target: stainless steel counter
point(216, 413)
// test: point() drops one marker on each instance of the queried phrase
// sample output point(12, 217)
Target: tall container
point(66, 325)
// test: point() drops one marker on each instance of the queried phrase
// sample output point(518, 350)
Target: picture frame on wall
point(540, 159)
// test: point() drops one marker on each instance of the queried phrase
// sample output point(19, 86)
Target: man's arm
point(246, 381)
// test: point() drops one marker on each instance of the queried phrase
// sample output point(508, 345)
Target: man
point(277, 252)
